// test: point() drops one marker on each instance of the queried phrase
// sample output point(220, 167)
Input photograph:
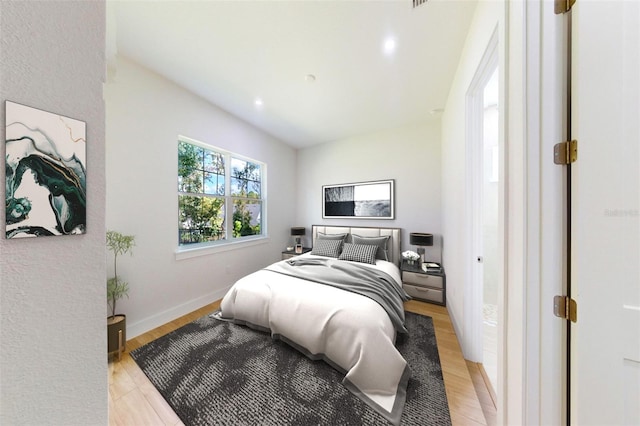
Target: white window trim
point(229, 243)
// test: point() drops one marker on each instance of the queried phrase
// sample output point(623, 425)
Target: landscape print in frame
point(365, 200)
point(45, 173)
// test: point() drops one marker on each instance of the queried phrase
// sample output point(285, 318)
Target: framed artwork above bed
point(364, 200)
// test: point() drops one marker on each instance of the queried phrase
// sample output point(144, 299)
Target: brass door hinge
point(563, 6)
point(566, 308)
point(565, 152)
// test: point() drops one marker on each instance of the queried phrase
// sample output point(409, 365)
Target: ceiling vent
point(417, 3)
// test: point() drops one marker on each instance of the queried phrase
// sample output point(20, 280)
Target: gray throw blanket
point(372, 283)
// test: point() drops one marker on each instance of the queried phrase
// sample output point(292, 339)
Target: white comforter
point(347, 329)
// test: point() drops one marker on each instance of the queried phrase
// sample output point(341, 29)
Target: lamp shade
point(297, 230)
point(420, 239)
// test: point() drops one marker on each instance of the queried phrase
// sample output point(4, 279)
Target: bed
point(338, 304)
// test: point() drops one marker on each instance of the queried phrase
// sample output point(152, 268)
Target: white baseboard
point(456, 327)
point(161, 318)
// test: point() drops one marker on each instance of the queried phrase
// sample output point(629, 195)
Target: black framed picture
point(364, 200)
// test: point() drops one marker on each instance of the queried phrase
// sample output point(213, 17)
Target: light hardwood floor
point(134, 401)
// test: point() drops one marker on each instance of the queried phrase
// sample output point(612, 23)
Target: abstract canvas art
point(45, 173)
point(366, 200)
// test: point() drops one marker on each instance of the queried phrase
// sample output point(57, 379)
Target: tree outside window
point(245, 190)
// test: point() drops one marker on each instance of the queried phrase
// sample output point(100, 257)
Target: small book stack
point(431, 267)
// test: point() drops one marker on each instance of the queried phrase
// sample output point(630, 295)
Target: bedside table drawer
point(425, 293)
point(422, 279)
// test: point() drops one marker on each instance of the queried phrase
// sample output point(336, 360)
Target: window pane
point(255, 172)
point(213, 184)
point(237, 187)
point(213, 162)
point(254, 189)
point(190, 178)
point(191, 183)
point(221, 184)
point(247, 218)
point(245, 179)
point(200, 219)
point(237, 166)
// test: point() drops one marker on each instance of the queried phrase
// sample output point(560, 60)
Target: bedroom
point(173, 111)
point(32, 308)
point(295, 173)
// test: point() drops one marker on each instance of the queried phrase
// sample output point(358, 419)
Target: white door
point(605, 355)
point(489, 227)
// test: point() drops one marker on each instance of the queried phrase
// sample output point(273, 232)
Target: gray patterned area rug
point(219, 373)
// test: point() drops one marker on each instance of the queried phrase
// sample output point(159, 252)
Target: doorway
point(484, 180)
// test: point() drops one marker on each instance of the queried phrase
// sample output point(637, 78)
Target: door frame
point(533, 390)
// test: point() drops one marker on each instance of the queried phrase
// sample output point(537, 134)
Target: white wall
point(454, 165)
point(53, 365)
point(410, 155)
point(145, 115)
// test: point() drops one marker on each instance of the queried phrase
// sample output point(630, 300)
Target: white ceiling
point(233, 52)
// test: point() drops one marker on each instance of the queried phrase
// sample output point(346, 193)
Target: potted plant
point(116, 289)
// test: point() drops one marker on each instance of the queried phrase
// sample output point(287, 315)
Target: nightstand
point(430, 286)
point(289, 254)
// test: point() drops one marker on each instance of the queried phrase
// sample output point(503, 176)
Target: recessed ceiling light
point(389, 45)
point(258, 102)
point(436, 111)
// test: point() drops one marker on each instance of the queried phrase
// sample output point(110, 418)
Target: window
point(220, 195)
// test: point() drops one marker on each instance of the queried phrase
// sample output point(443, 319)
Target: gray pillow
point(364, 253)
point(380, 242)
point(329, 248)
point(322, 236)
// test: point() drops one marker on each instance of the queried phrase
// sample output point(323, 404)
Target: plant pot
point(116, 334)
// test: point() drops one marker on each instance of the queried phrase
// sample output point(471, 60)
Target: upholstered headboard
point(393, 249)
